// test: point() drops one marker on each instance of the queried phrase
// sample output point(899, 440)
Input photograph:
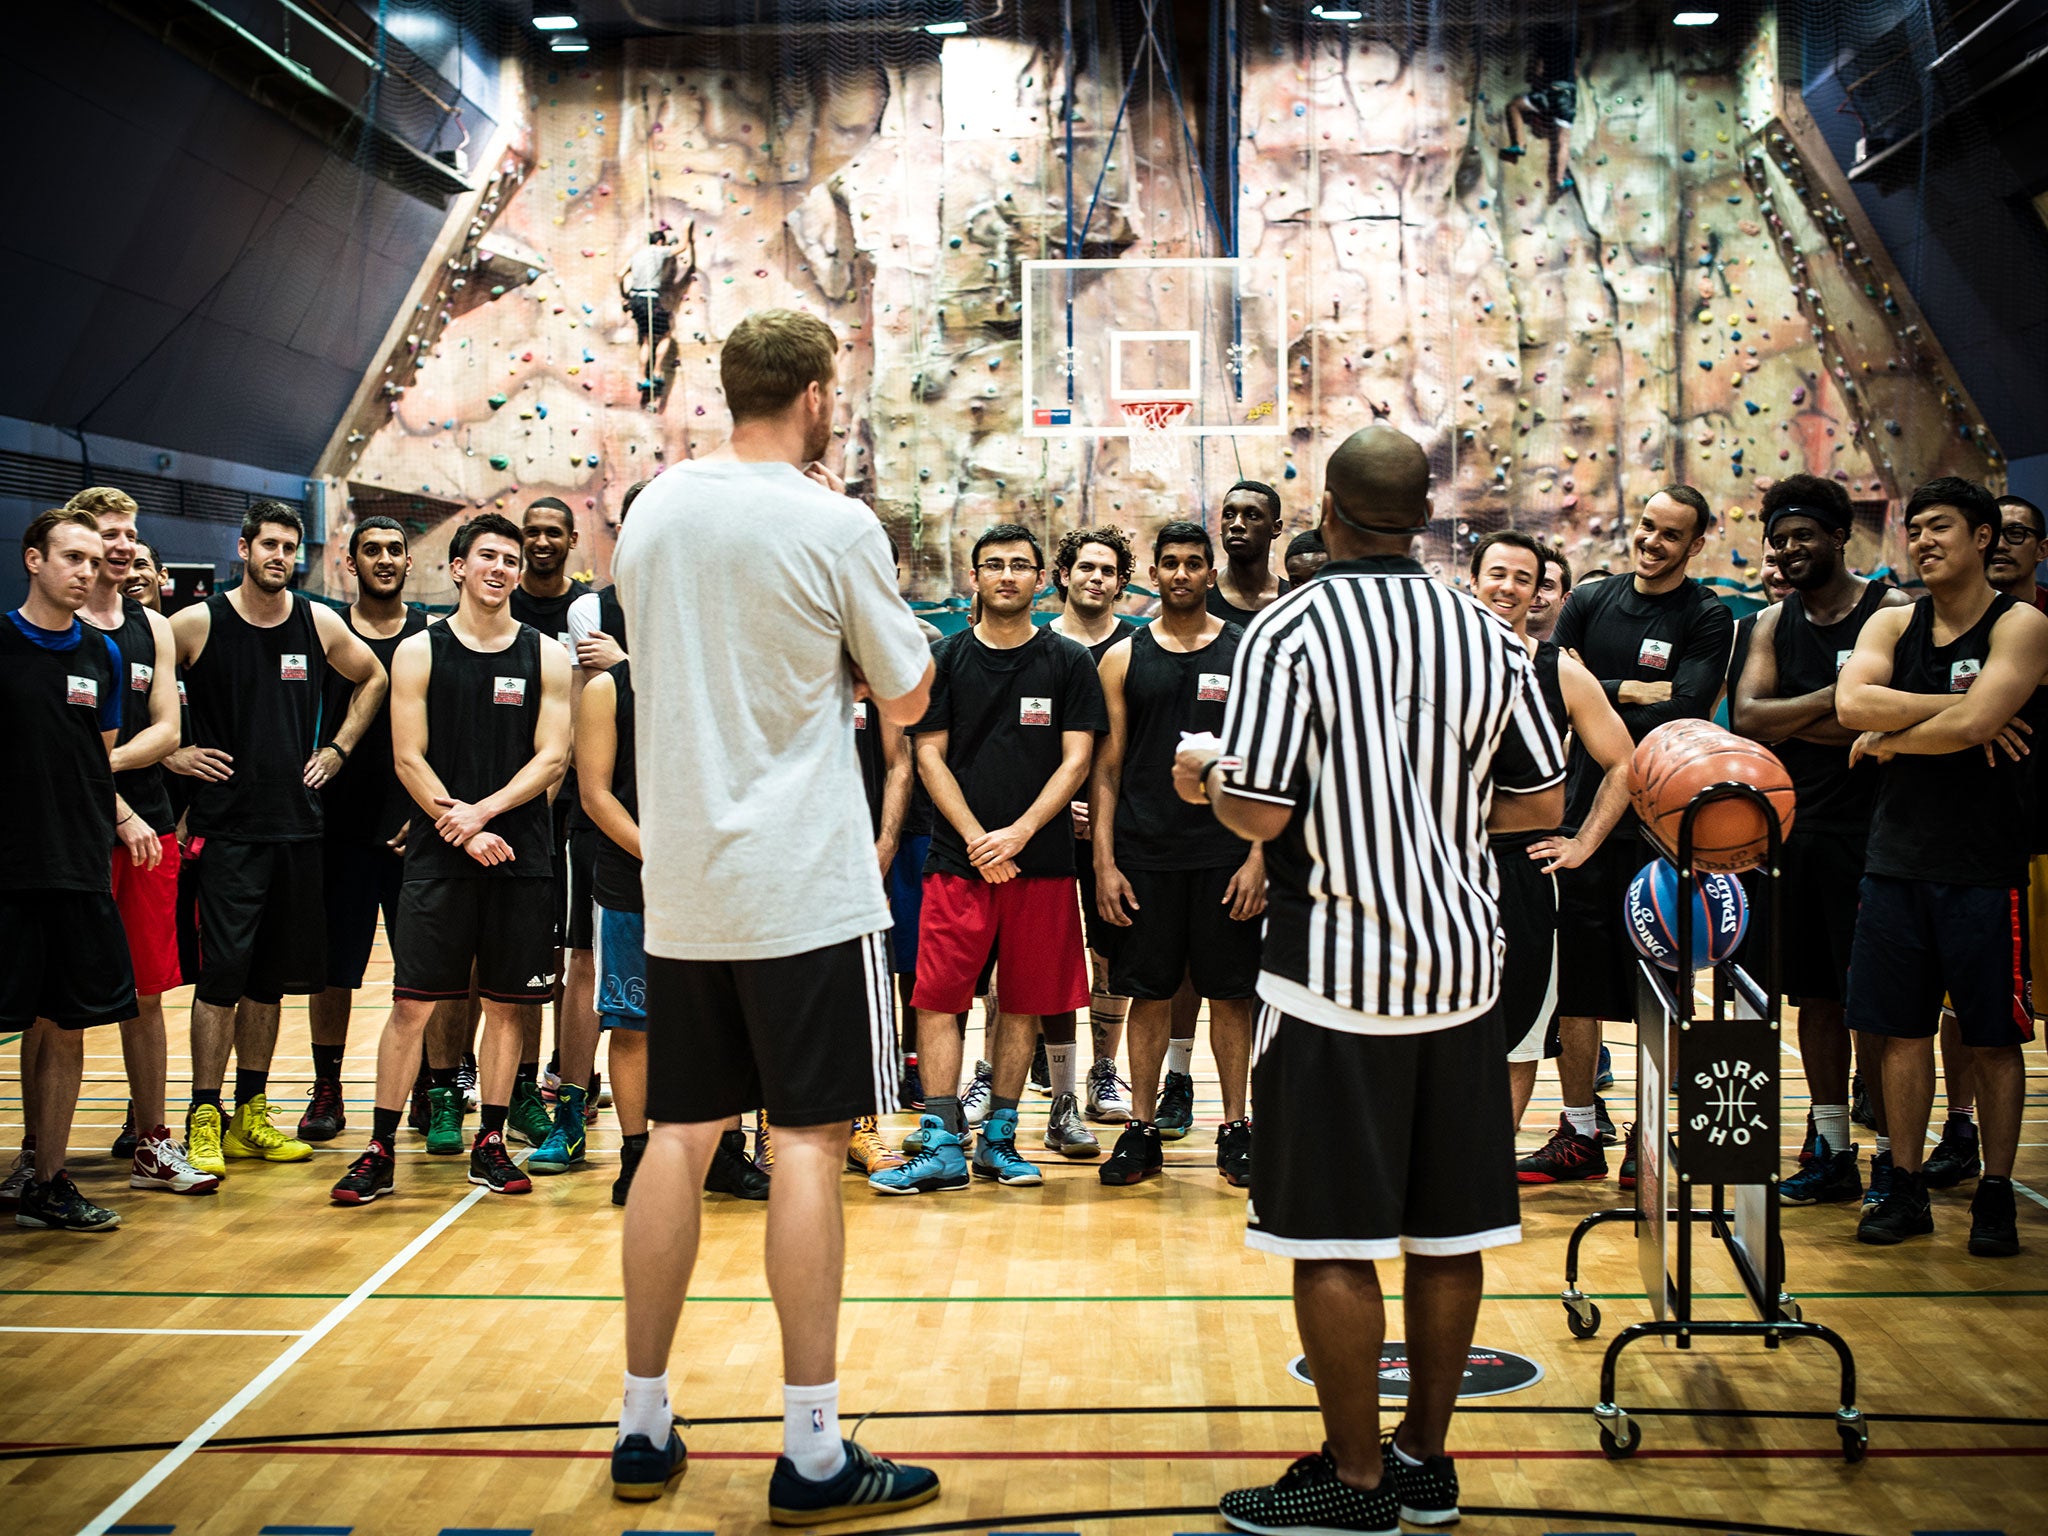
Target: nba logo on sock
point(82, 690)
point(508, 690)
point(1963, 673)
point(1212, 687)
point(1032, 711)
point(291, 667)
point(1655, 654)
point(818, 1420)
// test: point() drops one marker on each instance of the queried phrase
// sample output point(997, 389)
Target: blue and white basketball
point(1720, 915)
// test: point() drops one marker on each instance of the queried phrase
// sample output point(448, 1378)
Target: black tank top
point(143, 788)
point(482, 707)
point(611, 615)
point(1166, 693)
point(867, 750)
point(616, 883)
point(54, 778)
point(365, 802)
point(1810, 656)
point(1953, 819)
point(1545, 662)
point(256, 695)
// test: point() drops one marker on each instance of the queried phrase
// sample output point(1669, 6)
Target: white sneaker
point(465, 1079)
point(160, 1163)
point(974, 1101)
point(1106, 1102)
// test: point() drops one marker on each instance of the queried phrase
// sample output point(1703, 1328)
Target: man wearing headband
point(1785, 698)
point(1250, 522)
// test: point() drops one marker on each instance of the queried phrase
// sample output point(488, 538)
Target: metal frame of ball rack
point(1720, 1140)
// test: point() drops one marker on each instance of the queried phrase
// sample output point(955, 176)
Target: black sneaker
point(1603, 1128)
point(641, 1472)
point(1880, 1181)
point(125, 1144)
point(732, 1172)
point(58, 1206)
point(1311, 1497)
point(368, 1177)
point(1860, 1112)
point(1563, 1158)
point(1176, 1115)
point(1903, 1212)
point(323, 1119)
point(1234, 1153)
point(1829, 1177)
point(1812, 1136)
point(1041, 1069)
point(1626, 1178)
point(1994, 1223)
point(1956, 1157)
point(866, 1485)
point(420, 1116)
point(1136, 1156)
point(491, 1166)
point(1428, 1493)
point(910, 1087)
point(631, 1150)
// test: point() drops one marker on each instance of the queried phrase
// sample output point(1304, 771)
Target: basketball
point(1682, 757)
point(1720, 915)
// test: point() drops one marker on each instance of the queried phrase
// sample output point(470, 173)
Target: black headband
point(1827, 517)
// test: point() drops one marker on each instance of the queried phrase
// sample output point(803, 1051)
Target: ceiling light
point(568, 42)
point(1695, 18)
point(945, 28)
point(1336, 13)
point(554, 18)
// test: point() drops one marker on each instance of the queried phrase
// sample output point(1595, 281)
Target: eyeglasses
point(2017, 533)
point(1011, 567)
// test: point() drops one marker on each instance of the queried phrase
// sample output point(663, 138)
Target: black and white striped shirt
point(1386, 709)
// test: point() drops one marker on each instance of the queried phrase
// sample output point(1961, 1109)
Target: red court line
point(1751, 1454)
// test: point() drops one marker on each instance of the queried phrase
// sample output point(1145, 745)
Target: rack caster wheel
point(1855, 1441)
point(1620, 1448)
point(1582, 1318)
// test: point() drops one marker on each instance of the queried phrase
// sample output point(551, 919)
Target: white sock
point(1884, 1143)
point(1831, 1123)
point(810, 1430)
point(1582, 1122)
point(1180, 1056)
point(1059, 1062)
point(647, 1411)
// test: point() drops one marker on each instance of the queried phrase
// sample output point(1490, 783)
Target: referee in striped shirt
point(1380, 726)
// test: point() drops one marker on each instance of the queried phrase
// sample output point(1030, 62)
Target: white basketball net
point(1155, 450)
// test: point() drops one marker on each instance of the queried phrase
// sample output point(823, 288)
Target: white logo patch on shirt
point(1963, 673)
point(1212, 687)
point(139, 675)
point(82, 690)
point(1842, 660)
point(291, 667)
point(1034, 711)
point(508, 690)
point(860, 715)
point(1655, 654)
point(182, 700)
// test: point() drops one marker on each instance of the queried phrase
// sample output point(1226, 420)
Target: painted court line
point(203, 1333)
point(2034, 1195)
point(146, 1484)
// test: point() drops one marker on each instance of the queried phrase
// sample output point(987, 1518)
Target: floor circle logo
point(1488, 1372)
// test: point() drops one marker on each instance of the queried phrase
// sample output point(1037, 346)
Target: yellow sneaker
point(866, 1152)
point(202, 1140)
point(250, 1134)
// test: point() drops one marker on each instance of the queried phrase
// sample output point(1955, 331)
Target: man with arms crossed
point(1184, 891)
point(1934, 689)
point(1785, 698)
point(1377, 1060)
point(761, 602)
point(256, 661)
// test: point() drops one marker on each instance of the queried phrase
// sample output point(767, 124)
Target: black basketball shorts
point(502, 926)
point(63, 957)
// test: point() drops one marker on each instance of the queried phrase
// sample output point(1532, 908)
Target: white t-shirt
point(747, 588)
point(645, 268)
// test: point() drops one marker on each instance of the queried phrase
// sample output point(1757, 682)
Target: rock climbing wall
point(1680, 303)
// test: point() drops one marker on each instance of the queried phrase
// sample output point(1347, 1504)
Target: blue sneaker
point(1603, 1074)
point(1827, 1178)
point(640, 1472)
point(1880, 1181)
point(937, 1165)
point(563, 1148)
point(996, 1156)
point(866, 1485)
point(1176, 1113)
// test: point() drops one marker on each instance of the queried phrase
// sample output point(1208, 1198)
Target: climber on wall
point(1551, 103)
point(643, 283)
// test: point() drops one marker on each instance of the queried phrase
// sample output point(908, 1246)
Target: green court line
point(9, 1040)
point(989, 1300)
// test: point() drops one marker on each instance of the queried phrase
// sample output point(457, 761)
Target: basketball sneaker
point(491, 1166)
point(1828, 1177)
point(996, 1156)
point(125, 1144)
point(1041, 1069)
point(1428, 1490)
point(909, 1086)
point(1880, 1181)
point(323, 1119)
point(1066, 1133)
point(1176, 1115)
point(18, 1179)
point(1234, 1153)
point(368, 1177)
point(764, 1142)
point(640, 1472)
point(418, 1112)
point(732, 1172)
point(1136, 1156)
point(1602, 1125)
point(1904, 1212)
point(631, 1150)
point(939, 1165)
point(1603, 1072)
point(563, 1148)
point(527, 1118)
point(250, 1134)
point(1626, 1177)
point(57, 1206)
point(866, 1485)
point(1994, 1221)
point(444, 1122)
point(465, 1081)
point(1311, 1497)
point(158, 1162)
point(1563, 1158)
point(866, 1152)
point(1956, 1156)
point(1860, 1112)
point(202, 1140)
point(974, 1099)
point(1107, 1104)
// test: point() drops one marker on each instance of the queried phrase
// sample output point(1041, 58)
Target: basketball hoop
point(1155, 450)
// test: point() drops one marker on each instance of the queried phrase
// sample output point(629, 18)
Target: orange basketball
point(1682, 757)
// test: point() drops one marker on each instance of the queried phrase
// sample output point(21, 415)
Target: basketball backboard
point(1103, 338)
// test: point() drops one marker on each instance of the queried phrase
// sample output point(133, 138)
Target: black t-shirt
point(256, 695)
point(365, 802)
point(1832, 797)
point(1682, 637)
point(1230, 613)
point(616, 883)
point(143, 788)
point(1166, 693)
point(59, 692)
point(1004, 712)
point(482, 708)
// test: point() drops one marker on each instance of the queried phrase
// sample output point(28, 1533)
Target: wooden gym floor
point(1071, 1359)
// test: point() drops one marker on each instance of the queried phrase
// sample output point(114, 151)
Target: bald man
point(1250, 522)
